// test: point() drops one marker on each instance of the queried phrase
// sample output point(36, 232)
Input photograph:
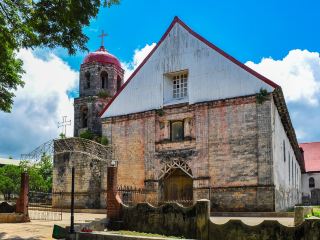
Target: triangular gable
point(154, 100)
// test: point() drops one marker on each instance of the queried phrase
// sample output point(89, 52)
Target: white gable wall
point(211, 76)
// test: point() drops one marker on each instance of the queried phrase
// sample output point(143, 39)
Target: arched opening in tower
point(104, 80)
point(118, 83)
point(87, 78)
point(84, 117)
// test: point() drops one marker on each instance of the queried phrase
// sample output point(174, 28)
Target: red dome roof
point(102, 56)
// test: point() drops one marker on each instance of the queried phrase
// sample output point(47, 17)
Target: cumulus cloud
point(138, 56)
point(39, 105)
point(298, 74)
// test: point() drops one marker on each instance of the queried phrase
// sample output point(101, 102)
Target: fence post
point(202, 219)
point(23, 200)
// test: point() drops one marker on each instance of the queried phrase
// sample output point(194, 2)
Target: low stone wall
point(170, 219)
point(12, 218)
point(236, 229)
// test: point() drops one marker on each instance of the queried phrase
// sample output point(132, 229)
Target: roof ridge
point(176, 19)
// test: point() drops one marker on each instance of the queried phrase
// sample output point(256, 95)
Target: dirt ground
point(41, 229)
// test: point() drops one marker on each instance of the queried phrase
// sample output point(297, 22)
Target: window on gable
point(311, 182)
point(180, 86)
point(177, 133)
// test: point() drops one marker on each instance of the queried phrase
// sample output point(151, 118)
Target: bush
point(262, 96)
point(104, 140)
point(87, 135)
point(103, 94)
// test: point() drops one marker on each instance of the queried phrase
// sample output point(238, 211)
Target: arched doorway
point(315, 196)
point(177, 186)
point(176, 183)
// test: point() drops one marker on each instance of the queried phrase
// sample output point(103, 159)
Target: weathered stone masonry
point(228, 145)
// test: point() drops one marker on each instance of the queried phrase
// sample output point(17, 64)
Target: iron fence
point(40, 207)
point(130, 196)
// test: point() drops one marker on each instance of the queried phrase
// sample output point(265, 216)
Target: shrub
point(262, 96)
point(104, 140)
point(87, 134)
point(103, 94)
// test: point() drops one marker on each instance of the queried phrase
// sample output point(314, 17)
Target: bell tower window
point(87, 78)
point(84, 117)
point(118, 83)
point(104, 80)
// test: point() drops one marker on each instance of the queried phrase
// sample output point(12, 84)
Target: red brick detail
point(113, 199)
point(23, 200)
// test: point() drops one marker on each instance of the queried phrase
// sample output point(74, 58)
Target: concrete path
point(41, 229)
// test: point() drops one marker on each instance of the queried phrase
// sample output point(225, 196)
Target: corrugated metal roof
point(311, 156)
point(7, 161)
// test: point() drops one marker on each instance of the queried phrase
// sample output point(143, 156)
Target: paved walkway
point(40, 229)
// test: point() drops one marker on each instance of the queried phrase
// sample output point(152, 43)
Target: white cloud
point(298, 74)
point(39, 105)
point(138, 56)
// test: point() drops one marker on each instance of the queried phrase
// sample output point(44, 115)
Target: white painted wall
point(287, 184)
point(210, 75)
point(306, 191)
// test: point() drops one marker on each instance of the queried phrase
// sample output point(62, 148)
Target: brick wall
point(227, 146)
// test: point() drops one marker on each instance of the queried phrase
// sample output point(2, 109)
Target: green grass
point(133, 233)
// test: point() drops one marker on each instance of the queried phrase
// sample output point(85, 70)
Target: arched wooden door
point(315, 196)
point(177, 186)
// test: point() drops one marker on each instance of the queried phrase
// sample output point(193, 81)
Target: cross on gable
point(102, 37)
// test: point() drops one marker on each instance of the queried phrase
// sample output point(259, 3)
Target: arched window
point(84, 117)
point(87, 77)
point(104, 80)
point(311, 182)
point(118, 83)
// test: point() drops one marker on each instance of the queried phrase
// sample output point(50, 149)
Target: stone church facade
point(192, 122)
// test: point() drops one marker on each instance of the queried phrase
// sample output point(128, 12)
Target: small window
point(177, 131)
point(180, 86)
point(87, 77)
point(289, 171)
point(104, 80)
point(311, 182)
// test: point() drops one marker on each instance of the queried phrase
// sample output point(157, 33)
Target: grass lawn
point(133, 233)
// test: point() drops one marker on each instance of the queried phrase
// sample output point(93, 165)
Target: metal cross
point(64, 124)
point(102, 37)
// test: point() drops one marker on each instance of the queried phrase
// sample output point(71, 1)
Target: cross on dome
point(102, 37)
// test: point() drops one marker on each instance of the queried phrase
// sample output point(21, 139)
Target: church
point(193, 122)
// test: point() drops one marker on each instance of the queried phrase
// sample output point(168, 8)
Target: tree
point(42, 23)
point(10, 176)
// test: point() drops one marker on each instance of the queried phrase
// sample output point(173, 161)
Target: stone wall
point(286, 170)
point(90, 181)
point(268, 229)
point(227, 146)
point(169, 219)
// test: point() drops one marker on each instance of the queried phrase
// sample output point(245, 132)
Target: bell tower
point(101, 76)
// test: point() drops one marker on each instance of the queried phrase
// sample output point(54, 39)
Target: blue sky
point(248, 30)
point(279, 39)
